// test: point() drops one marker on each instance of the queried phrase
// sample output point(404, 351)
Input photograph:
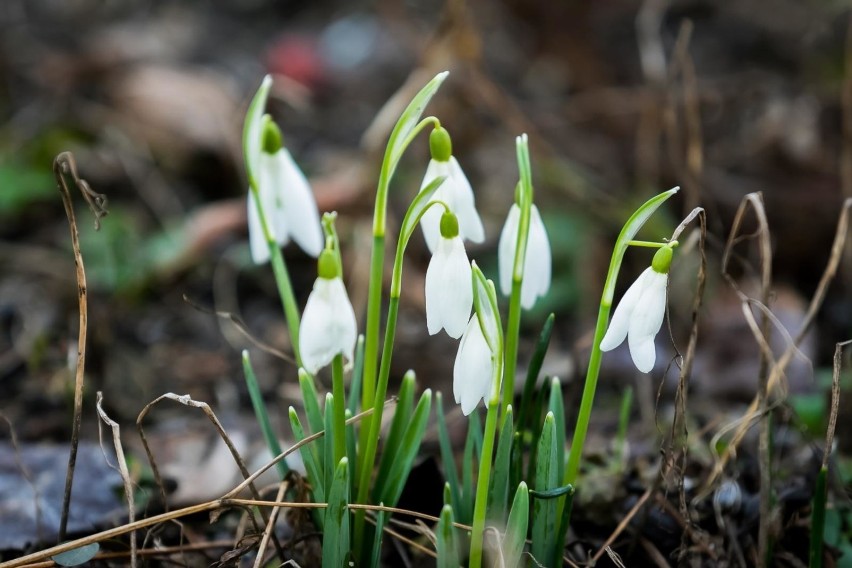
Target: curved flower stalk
point(328, 325)
point(449, 294)
point(537, 258)
point(284, 197)
point(455, 192)
point(639, 315)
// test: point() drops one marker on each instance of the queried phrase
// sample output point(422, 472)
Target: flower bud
point(449, 225)
point(272, 139)
point(440, 145)
point(662, 260)
point(327, 265)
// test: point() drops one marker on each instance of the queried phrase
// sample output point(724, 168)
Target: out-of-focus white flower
point(639, 315)
point(328, 324)
point(473, 372)
point(455, 192)
point(449, 293)
point(287, 201)
point(536, 263)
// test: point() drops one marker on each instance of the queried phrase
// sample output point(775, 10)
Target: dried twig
point(835, 401)
point(65, 167)
point(270, 526)
point(122, 469)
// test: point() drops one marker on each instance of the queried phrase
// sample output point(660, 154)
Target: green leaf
point(546, 478)
point(532, 374)
point(557, 407)
point(516, 527)
point(328, 441)
point(447, 457)
point(253, 129)
point(553, 493)
point(309, 457)
point(401, 418)
point(381, 519)
point(77, 556)
point(498, 498)
point(818, 519)
point(335, 542)
point(357, 376)
point(472, 445)
point(262, 415)
point(407, 451)
point(310, 398)
point(448, 554)
point(408, 120)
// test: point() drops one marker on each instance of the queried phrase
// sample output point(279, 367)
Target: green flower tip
point(449, 225)
point(272, 139)
point(327, 265)
point(440, 144)
point(662, 260)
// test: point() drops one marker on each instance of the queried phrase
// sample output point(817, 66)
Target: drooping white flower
point(639, 314)
point(455, 192)
point(287, 201)
point(328, 325)
point(449, 294)
point(537, 263)
point(473, 372)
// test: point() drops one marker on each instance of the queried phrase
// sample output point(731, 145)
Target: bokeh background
point(621, 100)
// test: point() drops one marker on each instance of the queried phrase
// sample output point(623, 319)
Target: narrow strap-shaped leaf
point(381, 519)
point(262, 415)
point(448, 554)
point(350, 449)
point(535, 432)
point(516, 527)
point(310, 398)
point(532, 375)
point(328, 441)
point(556, 405)
point(335, 541)
point(818, 520)
point(447, 456)
point(544, 510)
point(311, 461)
point(498, 497)
point(401, 417)
point(357, 377)
point(465, 512)
point(407, 450)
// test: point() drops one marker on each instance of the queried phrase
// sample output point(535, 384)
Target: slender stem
point(585, 414)
point(511, 353)
point(648, 244)
point(482, 482)
point(369, 453)
point(339, 424)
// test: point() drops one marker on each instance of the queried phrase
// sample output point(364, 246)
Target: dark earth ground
point(620, 100)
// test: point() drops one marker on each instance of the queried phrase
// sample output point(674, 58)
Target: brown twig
point(122, 469)
point(64, 167)
point(835, 401)
point(270, 526)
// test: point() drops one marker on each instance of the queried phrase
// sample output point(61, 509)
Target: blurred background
point(621, 100)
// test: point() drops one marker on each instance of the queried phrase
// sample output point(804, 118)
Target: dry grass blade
point(835, 401)
point(622, 525)
point(270, 526)
point(186, 400)
point(775, 375)
point(65, 167)
point(122, 469)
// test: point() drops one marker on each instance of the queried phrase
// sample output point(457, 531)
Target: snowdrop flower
point(286, 199)
point(639, 315)
point(536, 262)
point(328, 324)
point(455, 192)
point(473, 372)
point(449, 294)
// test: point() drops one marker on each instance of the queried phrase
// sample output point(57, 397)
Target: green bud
point(272, 139)
point(662, 260)
point(440, 144)
point(327, 265)
point(449, 225)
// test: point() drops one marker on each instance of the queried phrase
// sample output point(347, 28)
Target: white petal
point(537, 264)
point(430, 222)
point(299, 205)
point(620, 322)
point(472, 372)
point(257, 242)
point(646, 320)
point(272, 197)
point(328, 325)
point(463, 204)
point(506, 248)
point(450, 291)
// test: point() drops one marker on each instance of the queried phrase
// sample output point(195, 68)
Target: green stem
point(511, 354)
point(369, 453)
point(482, 483)
point(339, 433)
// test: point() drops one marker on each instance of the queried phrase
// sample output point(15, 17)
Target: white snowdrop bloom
point(455, 192)
point(328, 324)
point(287, 201)
point(473, 372)
point(449, 291)
point(537, 263)
point(639, 315)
